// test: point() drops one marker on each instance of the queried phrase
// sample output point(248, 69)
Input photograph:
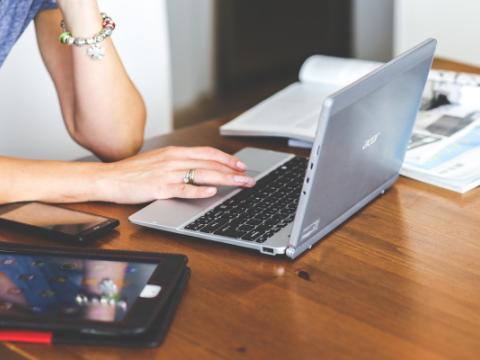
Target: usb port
point(266, 250)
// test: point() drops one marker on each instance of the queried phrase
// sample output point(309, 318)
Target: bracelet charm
point(94, 50)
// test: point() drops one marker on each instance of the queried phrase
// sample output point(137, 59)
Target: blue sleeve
point(49, 4)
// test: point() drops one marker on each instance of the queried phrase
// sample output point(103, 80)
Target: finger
point(185, 165)
point(208, 153)
point(209, 177)
point(186, 191)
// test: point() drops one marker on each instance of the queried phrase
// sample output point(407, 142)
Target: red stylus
point(35, 337)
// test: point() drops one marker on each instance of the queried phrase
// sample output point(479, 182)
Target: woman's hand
point(145, 177)
point(159, 174)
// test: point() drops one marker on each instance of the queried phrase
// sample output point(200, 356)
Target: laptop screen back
point(361, 143)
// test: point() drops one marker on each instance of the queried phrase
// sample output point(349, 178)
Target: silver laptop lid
point(360, 144)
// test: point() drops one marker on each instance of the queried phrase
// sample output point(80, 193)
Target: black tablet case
point(152, 338)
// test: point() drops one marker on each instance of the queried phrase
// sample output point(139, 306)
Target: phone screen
point(70, 288)
point(52, 218)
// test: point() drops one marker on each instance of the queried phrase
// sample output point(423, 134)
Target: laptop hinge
point(290, 252)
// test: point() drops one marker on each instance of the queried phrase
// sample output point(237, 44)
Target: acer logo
point(370, 141)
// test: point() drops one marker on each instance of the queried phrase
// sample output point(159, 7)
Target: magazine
point(445, 146)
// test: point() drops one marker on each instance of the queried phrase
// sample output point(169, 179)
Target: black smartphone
point(84, 291)
point(56, 222)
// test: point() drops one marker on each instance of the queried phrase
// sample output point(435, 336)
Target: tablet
point(86, 291)
point(153, 337)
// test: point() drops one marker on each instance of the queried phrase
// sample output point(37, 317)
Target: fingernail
point(241, 165)
point(244, 180)
point(211, 190)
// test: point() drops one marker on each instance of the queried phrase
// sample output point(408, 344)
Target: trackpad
point(253, 173)
point(172, 213)
point(259, 160)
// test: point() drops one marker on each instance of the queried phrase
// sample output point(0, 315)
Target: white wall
point(455, 24)
point(192, 37)
point(373, 29)
point(30, 121)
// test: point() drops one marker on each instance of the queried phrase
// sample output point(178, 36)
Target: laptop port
point(269, 251)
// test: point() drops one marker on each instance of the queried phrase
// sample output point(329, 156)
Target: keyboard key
point(230, 231)
point(245, 228)
point(254, 222)
point(213, 226)
point(251, 236)
point(195, 226)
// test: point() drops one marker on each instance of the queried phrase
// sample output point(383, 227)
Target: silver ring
point(189, 177)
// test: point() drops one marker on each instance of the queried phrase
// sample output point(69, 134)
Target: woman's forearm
point(107, 104)
point(49, 181)
point(108, 114)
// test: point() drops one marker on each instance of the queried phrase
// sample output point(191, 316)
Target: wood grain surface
point(400, 280)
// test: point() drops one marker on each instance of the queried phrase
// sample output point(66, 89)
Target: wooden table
point(400, 280)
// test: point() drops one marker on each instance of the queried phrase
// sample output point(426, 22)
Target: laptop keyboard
point(257, 214)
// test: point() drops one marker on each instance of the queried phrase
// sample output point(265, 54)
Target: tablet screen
point(67, 288)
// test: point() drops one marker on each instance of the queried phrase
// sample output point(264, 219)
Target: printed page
point(455, 166)
point(436, 129)
point(293, 112)
point(335, 71)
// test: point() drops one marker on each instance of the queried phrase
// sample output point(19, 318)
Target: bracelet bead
point(79, 42)
point(108, 22)
point(64, 37)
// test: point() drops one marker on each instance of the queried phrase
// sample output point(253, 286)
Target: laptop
point(360, 144)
